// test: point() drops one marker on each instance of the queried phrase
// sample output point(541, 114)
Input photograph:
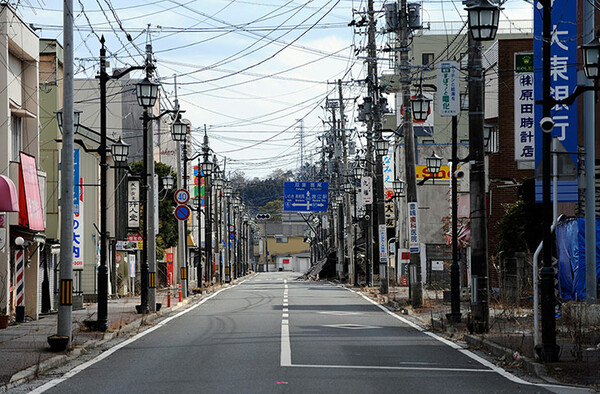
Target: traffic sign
point(182, 196)
point(305, 196)
point(182, 212)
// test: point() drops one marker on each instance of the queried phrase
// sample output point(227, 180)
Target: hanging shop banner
point(30, 203)
point(448, 97)
point(133, 204)
point(413, 227)
point(390, 214)
point(366, 190)
point(78, 222)
point(388, 173)
point(523, 100)
point(563, 79)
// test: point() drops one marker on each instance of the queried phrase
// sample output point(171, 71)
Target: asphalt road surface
point(272, 334)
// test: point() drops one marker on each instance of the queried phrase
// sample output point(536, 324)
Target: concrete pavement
point(24, 350)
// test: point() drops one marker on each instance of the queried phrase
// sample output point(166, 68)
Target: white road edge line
point(395, 368)
point(453, 345)
point(102, 356)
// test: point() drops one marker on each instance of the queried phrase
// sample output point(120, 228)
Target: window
point(16, 136)
point(282, 240)
point(427, 60)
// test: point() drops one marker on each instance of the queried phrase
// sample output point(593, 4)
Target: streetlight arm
point(579, 89)
point(118, 74)
point(168, 111)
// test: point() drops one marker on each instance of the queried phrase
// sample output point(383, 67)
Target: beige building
point(19, 164)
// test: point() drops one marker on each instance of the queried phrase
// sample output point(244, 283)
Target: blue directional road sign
point(305, 196)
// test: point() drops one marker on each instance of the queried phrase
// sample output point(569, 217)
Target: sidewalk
point(510, 339)
point(24, 348)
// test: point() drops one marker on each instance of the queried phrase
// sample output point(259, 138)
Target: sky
point(252, 71)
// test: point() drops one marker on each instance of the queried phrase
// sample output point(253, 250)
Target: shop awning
point(9, 199)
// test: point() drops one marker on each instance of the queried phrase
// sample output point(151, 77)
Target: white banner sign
point(524, 108)
point(413, 227)
point(133, 204)
point(366, 189)
point(448, 96)
point(131, 259)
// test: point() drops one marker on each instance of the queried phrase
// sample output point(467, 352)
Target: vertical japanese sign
point(413, 227)
point(388, 173)
point(524, 107)
point(383, 253)
point(366, 190)
point(77, 213)
point(133, 204)
point(448, 98)
point(563, 74)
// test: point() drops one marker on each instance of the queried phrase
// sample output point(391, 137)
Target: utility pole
point(479, 262)
point(416, 289)
point(348, 201)
point(591, 279)
point(372, 92)
point(550, 350)
point(65, 308)
point(182, 224)
point(207, 217)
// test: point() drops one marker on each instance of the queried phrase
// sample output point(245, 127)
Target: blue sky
point(248, 69)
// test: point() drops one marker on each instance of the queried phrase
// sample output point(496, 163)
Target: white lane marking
point(285, 315)
point(102, 356)
point(350, 326)
point(285, 281)
point(285, 321)
point(285, 309)
point(492, 367)
point(394, 368)
point(286, 350)
point(339, 313)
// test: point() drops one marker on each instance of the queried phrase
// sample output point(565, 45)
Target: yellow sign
point(445, 172)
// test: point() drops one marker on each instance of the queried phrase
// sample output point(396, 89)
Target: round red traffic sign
point(182, 196)
point(182, 212)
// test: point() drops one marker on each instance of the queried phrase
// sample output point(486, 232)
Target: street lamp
point(207, 167)
point(591, 58)
point(382, 146)
point(179, 130)
point(120, 151)
point(433, 163)
point(398, 186)
point(420, 107)
point(483, 20)
point(168, 182)
point(76, 116)
point(146, 93)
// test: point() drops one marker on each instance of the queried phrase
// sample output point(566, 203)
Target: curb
point(500, 351)
point(32, 372)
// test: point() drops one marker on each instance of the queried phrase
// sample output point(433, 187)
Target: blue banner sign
point(563, 79)
point(305, 196)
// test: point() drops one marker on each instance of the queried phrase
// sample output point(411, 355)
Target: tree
point(168, 225)
point(520, 229)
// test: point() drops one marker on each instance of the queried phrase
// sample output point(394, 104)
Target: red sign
point(169, 257)
point(30, 202)
point(286, 261)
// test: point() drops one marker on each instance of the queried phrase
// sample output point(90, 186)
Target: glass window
point(17, 136)
point(427, 60)
point(282, 240)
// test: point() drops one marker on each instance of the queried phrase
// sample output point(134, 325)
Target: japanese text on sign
point(524, 108)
